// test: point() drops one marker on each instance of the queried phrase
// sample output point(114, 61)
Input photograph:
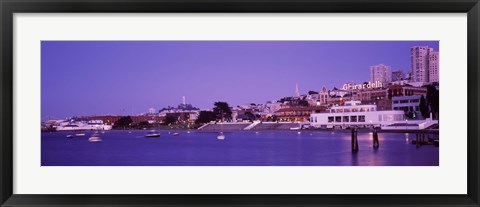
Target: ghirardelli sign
point(369, 85)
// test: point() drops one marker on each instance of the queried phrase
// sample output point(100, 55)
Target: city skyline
point(125, 77)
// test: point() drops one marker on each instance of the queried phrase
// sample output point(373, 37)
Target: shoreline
point(363, 130)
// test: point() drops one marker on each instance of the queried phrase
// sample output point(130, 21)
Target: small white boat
point(95, 138)
point(152, 134)
point(80, 134)
point(295, 128)
point(69, 136)
point(221, 136)
point(176, 134)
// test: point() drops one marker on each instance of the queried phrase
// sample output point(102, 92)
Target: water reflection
point(265, 148)
point(354, 158)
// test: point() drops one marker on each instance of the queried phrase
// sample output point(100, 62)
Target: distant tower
point(297, 93)
point(183, 100)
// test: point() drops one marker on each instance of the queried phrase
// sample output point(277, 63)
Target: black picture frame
point(10, 7)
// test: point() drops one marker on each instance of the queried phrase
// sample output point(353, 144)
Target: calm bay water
point(263, 148)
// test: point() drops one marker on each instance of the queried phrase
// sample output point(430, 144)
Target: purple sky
point(118, 77)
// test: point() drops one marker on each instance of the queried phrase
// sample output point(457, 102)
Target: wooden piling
point(354, 139)
point(376, 143)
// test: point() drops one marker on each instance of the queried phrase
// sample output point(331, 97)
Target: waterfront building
point(298, 114)
point(405, 90)
point(338, 101)
point(184, 116)
point(81, 124)
point(371, 95)
point(408, 104)
point(146, 118)
point(424, 62)
point(381, 73)
point(398, 75)
point(107, 119)
point(335, 92)
point(353, 113)
point(110, 120)
point(383, 104)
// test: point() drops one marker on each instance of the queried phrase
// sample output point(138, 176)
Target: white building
point(355, 114)
point(407, 104)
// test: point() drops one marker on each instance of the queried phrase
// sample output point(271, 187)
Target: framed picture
point(241, 103)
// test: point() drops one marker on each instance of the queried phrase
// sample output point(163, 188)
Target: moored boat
point(295, 128)
point(95, 138)
point(152, 134)
point(221, 136)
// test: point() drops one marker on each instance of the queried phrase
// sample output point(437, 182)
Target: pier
point(422, 137)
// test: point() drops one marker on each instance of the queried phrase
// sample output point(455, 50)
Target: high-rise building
point(421, 65)
point(398, 75)
point(381, 72)
point(433, 66)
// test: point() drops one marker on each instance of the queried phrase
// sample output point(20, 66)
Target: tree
point(433, 98)
point(312, 92)
point(423, 107)
point(303, 103)
point(410, 114)
point(205, 117)
point(169, 119)
point(250, 115)
point(143, 124)
point(222, 111)
point(123, 122)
